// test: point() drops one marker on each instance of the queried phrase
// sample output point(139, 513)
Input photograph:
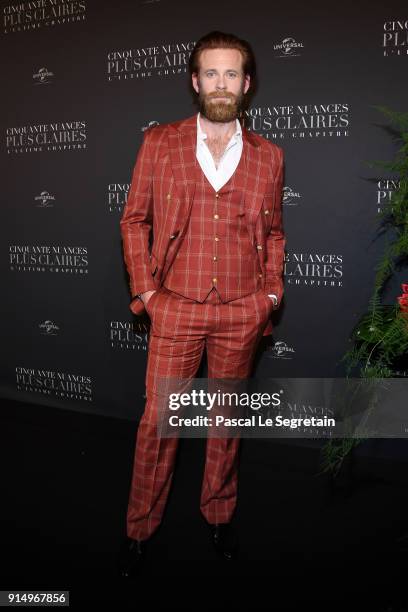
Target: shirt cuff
point(274, 298)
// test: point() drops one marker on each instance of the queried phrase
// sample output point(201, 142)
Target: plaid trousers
point(180, 330)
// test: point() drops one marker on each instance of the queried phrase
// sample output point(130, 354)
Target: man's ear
point(194, 81)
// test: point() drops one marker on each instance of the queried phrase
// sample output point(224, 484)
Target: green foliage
point(334, 453)
point(381, 335)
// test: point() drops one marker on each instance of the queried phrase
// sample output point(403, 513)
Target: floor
point(305, 540)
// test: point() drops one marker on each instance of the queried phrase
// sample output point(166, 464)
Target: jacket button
point(168, 196)
point(259, 247)
point(266, 212)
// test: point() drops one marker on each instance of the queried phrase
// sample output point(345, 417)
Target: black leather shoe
point(224, 541)
point(131, 557)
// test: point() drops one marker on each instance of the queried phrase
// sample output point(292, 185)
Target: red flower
point(403, 299)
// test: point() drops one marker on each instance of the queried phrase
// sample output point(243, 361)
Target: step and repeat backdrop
point(83, 79)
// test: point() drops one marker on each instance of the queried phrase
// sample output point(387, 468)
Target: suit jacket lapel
point(182, 141)
point(253, 193)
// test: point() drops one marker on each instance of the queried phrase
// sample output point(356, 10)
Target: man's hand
point(145, 297)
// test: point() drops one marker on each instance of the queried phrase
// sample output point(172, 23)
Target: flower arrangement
point(380, 338)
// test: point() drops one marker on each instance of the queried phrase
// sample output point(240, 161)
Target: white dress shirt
point(227, 164)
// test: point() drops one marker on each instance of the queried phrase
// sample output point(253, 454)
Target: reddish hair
point(222, 40)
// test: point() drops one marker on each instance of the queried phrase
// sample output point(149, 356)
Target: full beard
point(221, 111)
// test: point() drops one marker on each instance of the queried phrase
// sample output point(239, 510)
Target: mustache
point(221, 95)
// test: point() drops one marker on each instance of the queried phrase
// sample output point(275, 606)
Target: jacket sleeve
point(137, 221)
point(275, 241)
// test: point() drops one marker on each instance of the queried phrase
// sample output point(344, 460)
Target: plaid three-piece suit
point(214, 258)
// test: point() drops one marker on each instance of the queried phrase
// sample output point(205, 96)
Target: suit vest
point(216, 250)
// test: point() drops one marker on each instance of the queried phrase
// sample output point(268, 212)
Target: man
point(211, 193)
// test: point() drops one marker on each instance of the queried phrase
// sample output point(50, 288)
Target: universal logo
point(150, 124)
point(395, 38)
point(41, 137)
point(54, 383)
point(45, 258)
point(314, 269)
point(288, 48)
point(301, 121)
point(43, 76)
point(280, 350)
point(129, 335)
point(162, 60)
point(23, 16)
point(290, 197)
point(117, 196)
point(45, 200)
point(48, 328)
point(385, 189)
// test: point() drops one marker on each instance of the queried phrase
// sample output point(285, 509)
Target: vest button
point(216, 216)
point(214, 280)
point(216, 238)
point(215, 258)
point(217, 195)
point(266, 212)
point(260, 275)
point(168, 196)
point(259, 247)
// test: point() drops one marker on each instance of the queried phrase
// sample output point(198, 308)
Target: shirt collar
point(202, 135)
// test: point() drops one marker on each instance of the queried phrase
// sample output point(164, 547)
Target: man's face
point(220, 84)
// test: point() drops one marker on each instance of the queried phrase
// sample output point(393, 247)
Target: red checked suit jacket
point(159, 201)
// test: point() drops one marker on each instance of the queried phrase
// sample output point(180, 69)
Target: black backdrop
point(82, 80)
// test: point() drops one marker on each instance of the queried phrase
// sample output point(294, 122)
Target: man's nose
point(220, 83)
